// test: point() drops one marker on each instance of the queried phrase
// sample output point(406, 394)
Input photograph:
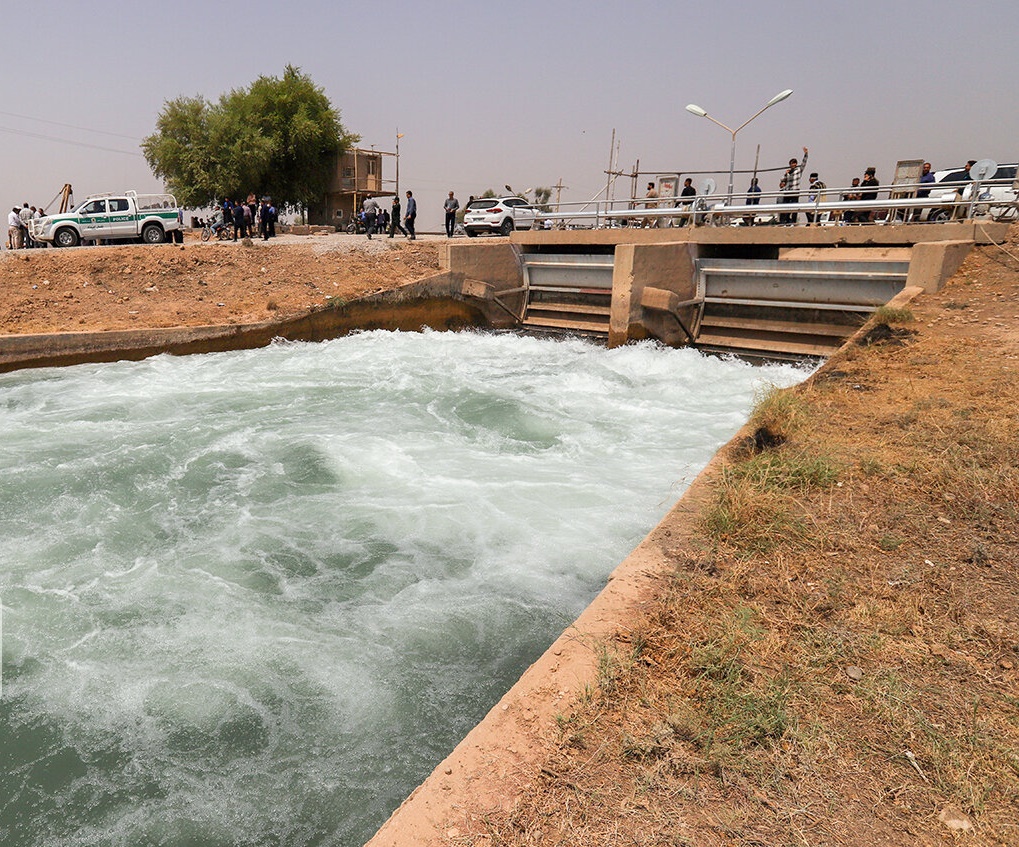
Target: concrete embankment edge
point(434, 302)
point(488, 770)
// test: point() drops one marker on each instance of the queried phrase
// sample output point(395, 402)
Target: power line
point(69, 126)
point(66, 141)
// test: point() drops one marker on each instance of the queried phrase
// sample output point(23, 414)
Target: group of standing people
point(789, 188)
point(377, 220)
point(861, 189)
point(18, 234)
point(685, 201)
point(245, 217)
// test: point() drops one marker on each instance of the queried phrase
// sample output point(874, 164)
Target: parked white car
point(500, 215)
point(997, 195)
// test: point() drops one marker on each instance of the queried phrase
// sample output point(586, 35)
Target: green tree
point(278, 137)
point(541, 198)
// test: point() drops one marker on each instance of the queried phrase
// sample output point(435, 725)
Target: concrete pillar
point(933, 262)
point(669, 267)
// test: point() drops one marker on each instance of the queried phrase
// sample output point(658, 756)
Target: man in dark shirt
point(961, 181)
point(411, 215)
point(450, 208)
point(869, 182)
point(237, 213)
point(926, 178)
point(753, 199)
point(395, 221)
point(688, 191)
point(850, 216)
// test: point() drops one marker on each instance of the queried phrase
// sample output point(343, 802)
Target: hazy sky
point(522, 93)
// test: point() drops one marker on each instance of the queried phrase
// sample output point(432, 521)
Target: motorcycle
point(220, 230)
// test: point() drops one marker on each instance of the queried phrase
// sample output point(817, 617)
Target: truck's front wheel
point(152, 234)
point(66, 237)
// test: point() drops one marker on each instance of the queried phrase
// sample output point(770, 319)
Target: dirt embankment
point(196, 284)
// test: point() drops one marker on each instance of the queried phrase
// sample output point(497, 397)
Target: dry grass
point(832, 658)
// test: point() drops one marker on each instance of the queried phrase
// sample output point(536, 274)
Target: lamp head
point(697, 110)
point(778, 98)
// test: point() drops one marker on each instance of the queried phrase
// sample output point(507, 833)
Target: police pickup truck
point(110, 217)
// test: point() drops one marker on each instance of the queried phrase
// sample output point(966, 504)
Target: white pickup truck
point(110, 217)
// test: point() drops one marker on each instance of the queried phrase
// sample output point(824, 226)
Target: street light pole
point(701, 113)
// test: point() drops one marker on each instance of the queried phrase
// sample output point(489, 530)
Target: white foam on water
point(255, 597)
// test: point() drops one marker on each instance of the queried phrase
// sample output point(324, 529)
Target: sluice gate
point(759, 292)
point(770, 308)
point(567, 292)
point(788, 308)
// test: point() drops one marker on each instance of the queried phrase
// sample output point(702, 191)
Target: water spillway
point(761, 292)
point(254, 597)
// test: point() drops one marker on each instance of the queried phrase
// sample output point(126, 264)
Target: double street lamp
point(700, 113)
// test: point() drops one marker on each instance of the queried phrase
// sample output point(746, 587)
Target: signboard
point(907, 172)
point(668, 186)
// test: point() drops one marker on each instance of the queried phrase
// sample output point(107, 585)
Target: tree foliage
point(541, 196)
point(278, 137)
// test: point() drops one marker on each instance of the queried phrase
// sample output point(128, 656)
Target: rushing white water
point(254, 598)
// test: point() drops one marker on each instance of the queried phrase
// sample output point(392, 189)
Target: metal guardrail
point(894, 202)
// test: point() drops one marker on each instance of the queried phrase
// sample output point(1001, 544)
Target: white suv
point(997, 195)
point(499, 215)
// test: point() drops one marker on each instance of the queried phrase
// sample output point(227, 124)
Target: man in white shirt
point(14, 229)
point(371, 214)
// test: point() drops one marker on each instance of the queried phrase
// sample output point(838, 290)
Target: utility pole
point(612, 164)
point(558, 192)
point(399, 135)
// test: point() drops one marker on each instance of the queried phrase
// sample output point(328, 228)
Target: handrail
point(711, 208)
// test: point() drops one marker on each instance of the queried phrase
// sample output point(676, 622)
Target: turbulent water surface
point(254, 598)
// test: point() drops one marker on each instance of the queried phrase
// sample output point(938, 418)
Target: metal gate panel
point(803, 284)
point(567, 270)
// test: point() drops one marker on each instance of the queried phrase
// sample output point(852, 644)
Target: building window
point(373, 167)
